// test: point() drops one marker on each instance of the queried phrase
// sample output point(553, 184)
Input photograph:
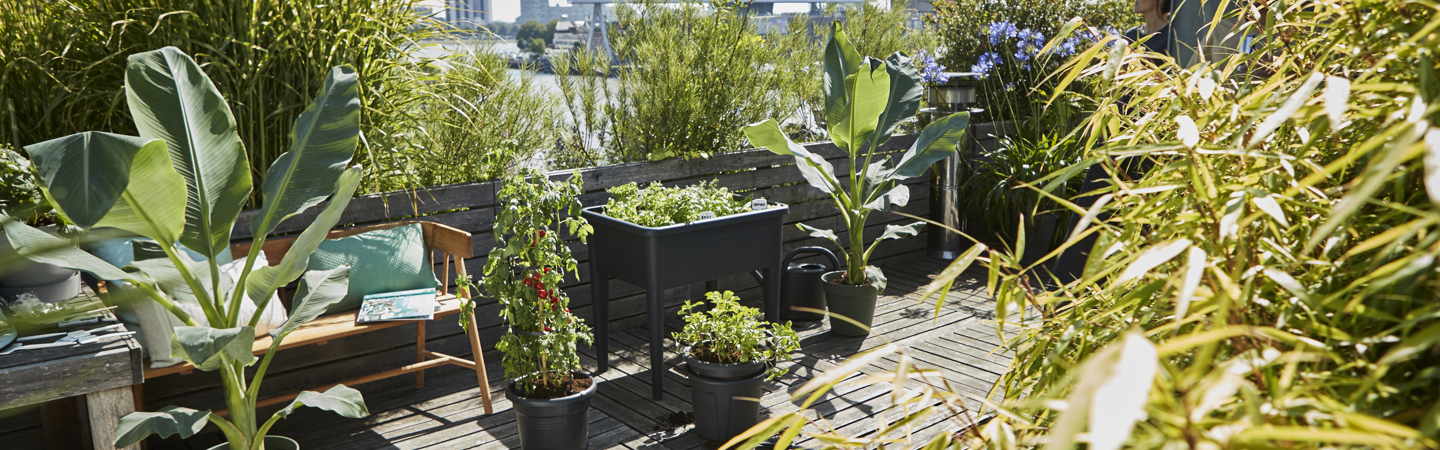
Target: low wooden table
point(102, 372)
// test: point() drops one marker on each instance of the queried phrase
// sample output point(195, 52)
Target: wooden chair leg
point(478, 355)
point(420, 353)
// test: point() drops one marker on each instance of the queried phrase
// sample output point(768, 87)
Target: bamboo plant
point(183, 181)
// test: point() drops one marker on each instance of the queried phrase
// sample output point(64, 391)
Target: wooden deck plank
point(961, 344)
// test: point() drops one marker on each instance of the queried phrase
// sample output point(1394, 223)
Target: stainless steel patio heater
point(957, 94)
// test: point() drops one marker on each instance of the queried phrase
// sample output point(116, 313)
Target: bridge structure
point(599, 29)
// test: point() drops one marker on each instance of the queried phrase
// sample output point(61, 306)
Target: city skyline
point(508, 10)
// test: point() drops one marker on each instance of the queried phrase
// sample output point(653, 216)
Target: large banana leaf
point(341, 400)
point(172, 100)
point(323, 142)
point(841, 59)
point(816, 170)
point(103, 179)
point(869, 90)
point(936, 142)
point(905, 92)
point(169, 421)
point(41, 247)
point(206, 347)
point(263, 281)
point(318, 290)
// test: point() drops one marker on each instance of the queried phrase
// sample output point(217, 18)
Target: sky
point(508, 10)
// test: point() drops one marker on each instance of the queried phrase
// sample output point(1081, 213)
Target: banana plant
point(866, 100)
point(183, 181)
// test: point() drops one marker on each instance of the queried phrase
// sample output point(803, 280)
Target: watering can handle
point(834, 262)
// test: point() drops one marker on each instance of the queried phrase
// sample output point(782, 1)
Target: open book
point(418, 304)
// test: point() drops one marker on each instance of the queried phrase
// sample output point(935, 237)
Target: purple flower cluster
point(987, 63)
point(1027, 43)
point(931, 71)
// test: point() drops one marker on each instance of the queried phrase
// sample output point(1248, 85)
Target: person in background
point(1156, 26)
point(1156, 35)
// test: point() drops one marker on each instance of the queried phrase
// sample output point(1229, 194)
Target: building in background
point(467, 14)
point(542, 11)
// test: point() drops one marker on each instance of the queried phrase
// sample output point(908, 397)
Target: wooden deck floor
point(962, 343)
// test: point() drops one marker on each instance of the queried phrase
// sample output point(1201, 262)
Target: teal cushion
point(380, 261)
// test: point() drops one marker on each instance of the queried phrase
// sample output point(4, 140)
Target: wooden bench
point(453, 245)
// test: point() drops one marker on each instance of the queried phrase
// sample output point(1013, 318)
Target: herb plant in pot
point(21, 198)
point(865, 101)
point(550, 395)
point(729, 354)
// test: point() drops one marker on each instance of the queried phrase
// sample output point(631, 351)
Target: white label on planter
point(707, 215)
point(759, 204)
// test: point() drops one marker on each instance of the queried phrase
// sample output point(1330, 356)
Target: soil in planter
point(575, 386)
point(704, 354)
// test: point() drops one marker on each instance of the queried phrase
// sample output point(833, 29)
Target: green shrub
point(693, 76)
point(963, 25)
point(474, 121)
point(883, 31)
point(998, 184)
point(658, 206)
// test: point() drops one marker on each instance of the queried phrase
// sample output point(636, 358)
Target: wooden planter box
point(655, 258)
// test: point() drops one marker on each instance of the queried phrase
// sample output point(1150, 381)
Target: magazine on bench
point(418, 304)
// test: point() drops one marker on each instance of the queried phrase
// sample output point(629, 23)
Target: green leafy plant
point(20, 193)
point(524, 273)
point(658, 206)
point(183, 182)
point(964, 26)
point(730, 334)
point(429, 114)
point(695, 73)
point(865, 101)
point(1271, 283)
point(1003, 184)
point(475, 120)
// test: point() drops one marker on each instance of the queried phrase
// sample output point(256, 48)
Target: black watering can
point(800, 284)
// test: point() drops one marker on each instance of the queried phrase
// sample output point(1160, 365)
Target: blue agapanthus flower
point(1000, 31)
point(986, 63)
point(930, 70)
point(1028, 44)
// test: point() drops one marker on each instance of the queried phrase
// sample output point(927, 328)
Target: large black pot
point(726, 397)
point(553, 424)
point(855, 302)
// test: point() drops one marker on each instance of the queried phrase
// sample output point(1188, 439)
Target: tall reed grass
point(62, 62)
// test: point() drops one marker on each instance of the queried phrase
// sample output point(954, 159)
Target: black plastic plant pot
point(725, 407)
point(271, 443)
point(555, 423)
point(855, 302)
point(656, 258)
